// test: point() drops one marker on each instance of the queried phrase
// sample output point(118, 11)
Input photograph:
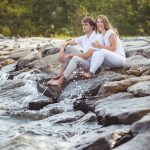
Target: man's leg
point(69, 50)
point(73, 64)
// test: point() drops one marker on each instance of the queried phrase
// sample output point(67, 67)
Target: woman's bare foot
point(86, 75)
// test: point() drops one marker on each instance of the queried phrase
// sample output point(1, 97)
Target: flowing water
point(22, 129)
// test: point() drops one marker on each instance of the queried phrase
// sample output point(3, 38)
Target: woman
point(111, 52)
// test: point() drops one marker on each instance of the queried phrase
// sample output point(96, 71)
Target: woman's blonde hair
point(107, 24)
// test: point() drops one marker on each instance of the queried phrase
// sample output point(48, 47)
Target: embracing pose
point(70, 58)
point(110, 52)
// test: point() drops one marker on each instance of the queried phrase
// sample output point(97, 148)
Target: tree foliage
point(50, 17)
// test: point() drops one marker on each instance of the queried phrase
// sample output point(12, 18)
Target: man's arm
point(61, 54)
point(71, 42)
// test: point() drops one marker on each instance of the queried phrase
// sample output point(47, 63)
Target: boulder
point(90, 87)
point(144, 51)
point(140, 142)
point(122, 111)
point(7, 62)
point(23, 62)
point(142, 126)
point(109, 88)
point(138, 70)
point(2, 58)
point(103, 138)
point(136, 60)
point(65, 117)
point(140, 89)
point(51, 61)
point(39, 104)
point(19, 53)
point(50, 91)
point(4, 53)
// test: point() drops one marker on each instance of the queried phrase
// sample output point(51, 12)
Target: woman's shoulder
point(109, 32)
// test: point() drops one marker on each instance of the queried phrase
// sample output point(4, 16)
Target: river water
point(23, 129)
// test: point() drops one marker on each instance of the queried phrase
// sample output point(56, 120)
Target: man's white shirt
point(86, 42)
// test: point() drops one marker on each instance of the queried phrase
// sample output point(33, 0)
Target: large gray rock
point(115, 97)
point(89, 104)
point(120, 86)
point(134, 46)
point(24, 61)
point(140, 89)
point(104, 138)
point(19, 53)
point(140, 142)
point(124, 111)
point(2, 58)
point(144, 51)
point(65, 117)
point(136, 61)
point(83, 88)
point(50, 49)
point(141, 126)
point(133, 42)
point(50, 91)
point(51, 61)
point(138, 70)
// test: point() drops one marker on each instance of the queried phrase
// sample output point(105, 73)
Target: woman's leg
point(107, 57)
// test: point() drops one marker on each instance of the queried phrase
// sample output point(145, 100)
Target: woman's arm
point(113, 43)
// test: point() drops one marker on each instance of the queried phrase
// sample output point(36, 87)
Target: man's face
point(87, 27)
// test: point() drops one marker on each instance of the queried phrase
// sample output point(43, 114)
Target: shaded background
point(62, 17)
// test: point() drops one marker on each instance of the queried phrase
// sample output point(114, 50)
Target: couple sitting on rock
point(98, 49)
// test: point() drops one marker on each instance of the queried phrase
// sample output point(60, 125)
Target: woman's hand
point(96, 44)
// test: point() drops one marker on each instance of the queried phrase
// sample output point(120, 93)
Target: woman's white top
point(106, 42)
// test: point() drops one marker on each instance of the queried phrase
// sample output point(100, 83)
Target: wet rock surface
point(109, 111)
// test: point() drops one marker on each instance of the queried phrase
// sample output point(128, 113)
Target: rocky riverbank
point(109, 111)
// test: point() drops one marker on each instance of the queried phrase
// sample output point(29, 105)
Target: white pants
point(75, 62)
point(106, 57)
point(69, 50)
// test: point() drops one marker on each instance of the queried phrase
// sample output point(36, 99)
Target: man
point(70, 58)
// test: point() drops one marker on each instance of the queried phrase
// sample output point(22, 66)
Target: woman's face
point(100, 24)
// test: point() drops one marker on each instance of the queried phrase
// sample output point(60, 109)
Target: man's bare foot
point(57, 82)
point(53, 82)
point(86, 75)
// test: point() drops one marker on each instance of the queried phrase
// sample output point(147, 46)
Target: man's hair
point(89, 20)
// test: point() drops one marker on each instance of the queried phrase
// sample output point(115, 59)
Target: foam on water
point(3, 78)
point(18, 97)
